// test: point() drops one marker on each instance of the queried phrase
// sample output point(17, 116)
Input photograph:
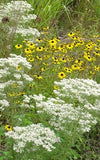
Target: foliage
point(49, 86)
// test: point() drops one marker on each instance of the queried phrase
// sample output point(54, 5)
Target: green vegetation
point(49, 80)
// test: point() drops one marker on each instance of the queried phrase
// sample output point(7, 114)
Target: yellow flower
point(97, 68)
point(95, 36)
point(96, 53)
point(31, 45)
point(39, 49)
point(80, 68)
point(43, 69)
point(38, 76)
point(52, 43)
point(56, 87)
point(68, 70)
point(56, 62)
point(25, 41)
point(61, 75)
point(63, 60)
point(39, 58)
point(20, 93)
point(75, 38)
point(18, 46)
point(27, 50)
point(61, 47)
point(88, 57)
point(97, 48)
point(91, 72)
point(69, 46)
point(31, 59)
point(75, 67)
point(46, 28)
point(46, 56)
point(17, 102)
point(31, 85)
point(71, 34)
point(11, 94)
point(55, 58)
point(19, 68)
point(69, 59)
point(78, 61)
point(8, 127)
point(39, 40)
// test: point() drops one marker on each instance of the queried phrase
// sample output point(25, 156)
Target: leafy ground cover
point(49, 80)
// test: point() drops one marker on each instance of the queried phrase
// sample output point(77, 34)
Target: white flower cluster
point(37, 134)
point(12, 72)
point(28, 32)
point(80, 89)
point(3, 103)
point(27, 100)
point(63, 112)
point(12, 7)
point(64, 115)
point(14, 61)
point(18, 13)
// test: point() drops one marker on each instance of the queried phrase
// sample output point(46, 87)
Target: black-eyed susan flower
point(56, 62)
point(39, 49)
point(20, 93)
point(31, 45)
point(54, 58)
point(31, 59)
point(71, 34)
point(27, 50)
point(31, 85)
point(61, 75)
point(78, 61)
point(76, 44)
point(96, 36)
point(39, 40)
point(18, 46)
point(25, 41)
point(45, 64)
point(43, 69)
point(61, 47)
point(46, 28)
point(8, 127)
point(63, 59)
point(55, 87)
point(97, 48)
point(96, 68)
point(52, 43)
point(75, 67)
point(75, 37)
point(97, 53)
point(69, 46)
point(88, 57)
point(91, 72)
point(68, 70)
point(80, 68)
point(38, 76)
point(39, 58)
point(69, 59)
point(19, 68)
point(11, 94)
point(17, 102)
point(46, 56)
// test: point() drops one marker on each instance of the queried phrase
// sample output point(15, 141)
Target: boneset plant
point(61, 119)
point(15, 20)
